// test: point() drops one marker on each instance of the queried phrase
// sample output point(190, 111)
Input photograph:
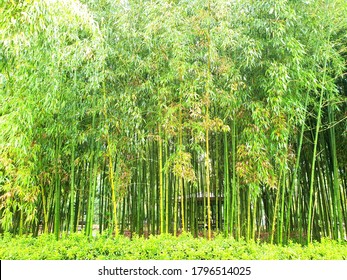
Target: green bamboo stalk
point(336, 187)
point(113, 190)
point(175, 212)
point(248, 211)
point(217, 181)
point(254, 218)
point(110, 153)
point(72, 167)
point(296, 168)
point(309, 220)
point(166, 188)
point(102, 198)
point(226, 187)
point(318, 124)
point(45, 212)
point(207, 119)
point(235, 205)
point(281, 223)
point(208, 191)
point(92, 179)
point(21, 219)
point(160, 171)
point(275, 212)
point(57, 199)
point(180, 179)
point(72, 189)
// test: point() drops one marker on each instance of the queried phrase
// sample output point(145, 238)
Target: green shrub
point(162, 247)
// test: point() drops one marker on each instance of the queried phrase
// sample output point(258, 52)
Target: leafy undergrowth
point(162, 247)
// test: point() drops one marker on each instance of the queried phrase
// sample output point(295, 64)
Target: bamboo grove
point(154, 117)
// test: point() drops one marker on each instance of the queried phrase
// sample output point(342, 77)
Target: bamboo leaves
point(153, 117)
point(36, 41)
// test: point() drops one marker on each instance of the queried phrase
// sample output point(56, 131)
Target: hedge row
point(162, 247)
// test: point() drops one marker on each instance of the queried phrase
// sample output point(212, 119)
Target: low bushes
point(162, 247)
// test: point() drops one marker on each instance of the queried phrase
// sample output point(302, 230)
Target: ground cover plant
point(162, 247)
point(163, 117)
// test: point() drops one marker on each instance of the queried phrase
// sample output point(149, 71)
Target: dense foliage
point(162, 247)
point(167, 116)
